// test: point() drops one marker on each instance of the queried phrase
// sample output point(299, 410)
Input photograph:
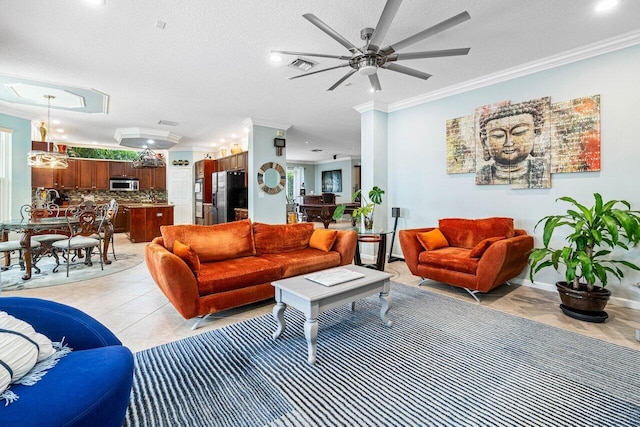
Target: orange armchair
point(481, 254)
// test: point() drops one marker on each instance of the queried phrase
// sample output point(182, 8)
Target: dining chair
point(110, 211)
point(46, 237)
point(11, 246)
point(83, 222)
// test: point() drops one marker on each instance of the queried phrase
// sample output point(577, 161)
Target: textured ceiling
point(209, 68)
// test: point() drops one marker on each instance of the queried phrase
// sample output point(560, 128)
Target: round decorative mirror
point(271, 178)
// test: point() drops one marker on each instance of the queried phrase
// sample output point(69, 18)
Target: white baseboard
point(623, 302)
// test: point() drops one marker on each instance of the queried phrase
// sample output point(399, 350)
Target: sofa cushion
point(479, 249)
point(281, 238)
point(213, 242)
point(431, 240)
point(188, 255)
point(323, 239)
point(304, 261)
point(236, 273)
point(451, 258)
point(466, 233)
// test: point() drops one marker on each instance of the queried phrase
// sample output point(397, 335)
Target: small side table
point(379, 237)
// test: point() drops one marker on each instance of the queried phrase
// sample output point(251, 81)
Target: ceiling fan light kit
point(368, 59)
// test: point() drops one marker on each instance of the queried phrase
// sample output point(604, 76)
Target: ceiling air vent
point(168, 123)
point(316, 150)
point(302, 64)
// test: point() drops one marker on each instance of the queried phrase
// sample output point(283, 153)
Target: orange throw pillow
point(479, 249)
point(432, 240)
point(323, 239)
point(188, 255)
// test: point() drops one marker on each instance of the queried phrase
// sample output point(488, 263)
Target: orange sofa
point(475, 254)
point(203, 269)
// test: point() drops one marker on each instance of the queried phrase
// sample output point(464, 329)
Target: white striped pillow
point(21, 347)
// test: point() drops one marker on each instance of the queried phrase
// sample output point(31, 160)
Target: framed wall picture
point(332, 181)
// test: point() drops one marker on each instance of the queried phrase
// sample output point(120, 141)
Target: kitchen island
point(143, 220)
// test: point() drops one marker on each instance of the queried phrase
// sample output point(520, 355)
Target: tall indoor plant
point(594, 233)
point(366, 209)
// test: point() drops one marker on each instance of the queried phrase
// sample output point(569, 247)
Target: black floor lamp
point(395, 212)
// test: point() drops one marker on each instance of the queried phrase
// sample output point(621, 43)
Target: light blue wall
point(263, 207)
point(345, 166)
point(419, 184)
point(20, 172)
point(309, 174)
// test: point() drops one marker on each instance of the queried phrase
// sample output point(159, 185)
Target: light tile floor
point(134, 308)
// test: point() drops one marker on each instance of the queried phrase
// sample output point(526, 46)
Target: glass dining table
point(28, 227)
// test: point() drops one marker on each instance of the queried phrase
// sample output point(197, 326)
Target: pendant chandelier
point(51, 158)
point(148, 159)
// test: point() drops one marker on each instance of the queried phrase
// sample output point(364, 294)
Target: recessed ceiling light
point(214, 144)
point(96, 1)
point(95, 142)
point(306, 142)
point(145, 146)
point(245, 130)
point(55, 122)
point(64, 137)
point(606, 5)
point(222, 140)
point(233, 135)
point(275, 58)
point(371, 90)
point(150, 141)
point(60, 130)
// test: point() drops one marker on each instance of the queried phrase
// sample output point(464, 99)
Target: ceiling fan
point(367, 59)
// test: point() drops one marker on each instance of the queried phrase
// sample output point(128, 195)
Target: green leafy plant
point(101, 153)
point(595, 233)
point(366, 206)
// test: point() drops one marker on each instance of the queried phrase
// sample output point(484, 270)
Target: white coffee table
point(312, 299)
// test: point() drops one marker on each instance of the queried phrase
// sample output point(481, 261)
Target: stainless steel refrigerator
point(228, 192)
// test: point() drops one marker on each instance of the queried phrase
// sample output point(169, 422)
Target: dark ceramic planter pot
point(581, 299)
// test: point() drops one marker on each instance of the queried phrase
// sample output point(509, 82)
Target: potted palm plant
point(366, 208)
point(594, 232)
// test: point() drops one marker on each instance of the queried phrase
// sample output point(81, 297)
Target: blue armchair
point(89, 386)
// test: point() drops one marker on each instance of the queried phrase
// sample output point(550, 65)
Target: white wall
point(419, 184)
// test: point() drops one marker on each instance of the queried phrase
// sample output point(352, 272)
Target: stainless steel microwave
point(124, 184)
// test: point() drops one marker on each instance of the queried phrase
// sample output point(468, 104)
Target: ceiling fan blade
point(389, 12)
point(330, 32)
point(345, 77)
point(406, 70)
point(319, 71)
point(375, 82)
point(444, 25)
point(320, 55)
point(428, 54)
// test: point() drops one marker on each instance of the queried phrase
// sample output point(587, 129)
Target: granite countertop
point(147, 205)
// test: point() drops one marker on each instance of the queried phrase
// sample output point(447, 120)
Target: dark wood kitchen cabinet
point(120, 223)
point(92, 175)
point(153, 178)
point(144, 222)
point(122, 170)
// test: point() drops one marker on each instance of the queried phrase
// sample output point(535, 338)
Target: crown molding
point(337, 159)
point(602, 47)
point(253, 121)
point(372, 105)
point(122, 133)
point(18, 113)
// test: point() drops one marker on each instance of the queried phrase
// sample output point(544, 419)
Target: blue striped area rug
point(444, 362)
